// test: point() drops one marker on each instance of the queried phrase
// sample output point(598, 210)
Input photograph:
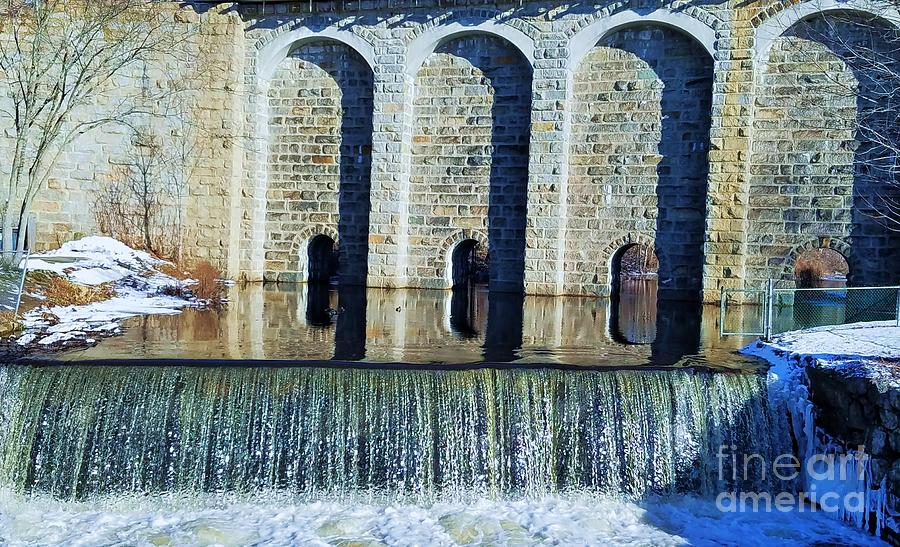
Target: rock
point(880, 467)
point(894, 396)
point(894, 477)
point(889, 419)
point(857, 386)
point(877, 441)
point(895, 441)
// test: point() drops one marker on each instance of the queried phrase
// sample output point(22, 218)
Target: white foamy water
point(558, 520)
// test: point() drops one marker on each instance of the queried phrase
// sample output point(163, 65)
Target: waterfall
point(75, 432)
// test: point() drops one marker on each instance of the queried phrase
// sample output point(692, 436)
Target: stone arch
point(449, 245)
point(637, 158)
point(817, 168)
point(613, 250)
point(771, 26)
point(587, 37)
point(785, 271)
point(275, 48)
point(423, 44)
point(469, 155)
point(299, 245)
point(318, 128)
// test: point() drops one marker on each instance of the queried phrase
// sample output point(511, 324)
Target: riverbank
point(843, 384)
point(81, 292)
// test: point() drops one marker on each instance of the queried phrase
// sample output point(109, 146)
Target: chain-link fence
point(742, 312)
point(772, 310)
point(796, 309)
point(12, 279)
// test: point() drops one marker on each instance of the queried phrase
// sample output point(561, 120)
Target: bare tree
point(58, 58)
point(142, 202)
point(869, 45)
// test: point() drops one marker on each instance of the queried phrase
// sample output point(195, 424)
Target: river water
point(313, 323)
point(392, 417)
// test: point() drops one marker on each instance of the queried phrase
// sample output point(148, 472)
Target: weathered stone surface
point(315, 123)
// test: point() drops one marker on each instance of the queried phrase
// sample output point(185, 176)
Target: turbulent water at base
point(80, 432)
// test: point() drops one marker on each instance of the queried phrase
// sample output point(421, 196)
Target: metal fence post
point(769, 309)
point(897, 312)
point(722, 311)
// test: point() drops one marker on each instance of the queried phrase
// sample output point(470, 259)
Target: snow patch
point(140, 290)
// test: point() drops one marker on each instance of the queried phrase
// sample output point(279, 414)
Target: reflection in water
point(466, 305)
point(503, 338)
point(319, 312)
point(350, 334)
point(633, 311)
point(299, 322)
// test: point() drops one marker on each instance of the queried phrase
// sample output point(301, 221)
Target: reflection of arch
point(789, 261)
point(771, 28)
point(422, 46)
point(451, 245)
point(276, 50)
point(588, 37)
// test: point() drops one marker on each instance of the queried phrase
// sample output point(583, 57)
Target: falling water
point(75, 432)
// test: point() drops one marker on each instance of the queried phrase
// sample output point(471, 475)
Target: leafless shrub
point(809, 271)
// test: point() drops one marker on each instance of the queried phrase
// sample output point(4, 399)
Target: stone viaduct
point(555, 133)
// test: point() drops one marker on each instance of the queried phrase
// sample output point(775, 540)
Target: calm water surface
point(307, 322)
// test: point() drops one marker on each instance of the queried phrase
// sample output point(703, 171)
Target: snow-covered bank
point(841, 385)
point(860, 350)
point(140, 289)
point(280, 520)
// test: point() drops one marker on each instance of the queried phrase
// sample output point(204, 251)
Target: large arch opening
point(826, 141)
point(469, 167)
point(641, 113)
point(320, 110)
point(633, 298)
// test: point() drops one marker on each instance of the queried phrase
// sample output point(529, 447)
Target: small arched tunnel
point(633, 282)
point(322, 260)
point(821, 267)
point(469, 264)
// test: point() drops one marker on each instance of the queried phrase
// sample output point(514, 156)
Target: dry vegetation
point(810, 271)
point(10, 323)
point(62, 292)
point(206, 285)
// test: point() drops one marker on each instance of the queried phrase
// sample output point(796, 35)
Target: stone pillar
point(547, 166)
point(391, 136)
point(729, 157)
point(253, 196)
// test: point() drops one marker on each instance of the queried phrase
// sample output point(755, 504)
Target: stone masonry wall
point(504, 123)
point(320, 108)
point(470, 159)
point(808, 185)
point(638, 165)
